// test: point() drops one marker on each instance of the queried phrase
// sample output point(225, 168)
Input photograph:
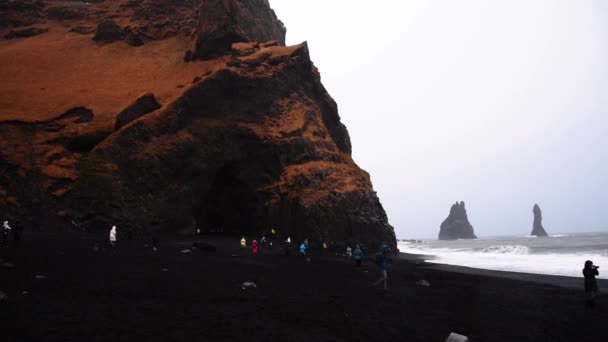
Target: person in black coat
point(590, 271)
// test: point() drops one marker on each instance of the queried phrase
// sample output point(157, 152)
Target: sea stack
point(183, 115)
point(457, 225)
point(537, 226)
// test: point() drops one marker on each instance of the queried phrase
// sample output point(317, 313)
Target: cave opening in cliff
point(230, 206)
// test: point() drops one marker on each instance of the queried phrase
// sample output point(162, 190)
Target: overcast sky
point(501, 104)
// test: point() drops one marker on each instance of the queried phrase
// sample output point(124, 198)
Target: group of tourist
point(590, 271)
point(382, 256)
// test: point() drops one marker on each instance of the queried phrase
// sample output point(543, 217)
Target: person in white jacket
point(6, 230)
point(113, 236)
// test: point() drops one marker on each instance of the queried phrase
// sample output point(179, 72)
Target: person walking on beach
point(382, 262)
point(243, 243)
point(6, 230)
point(590, 271)
point(287, 247)
point(303, 249)
point(358, 255)
point(113, 236)
point(254, 247)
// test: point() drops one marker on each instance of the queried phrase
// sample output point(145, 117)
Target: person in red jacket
point(254, 247)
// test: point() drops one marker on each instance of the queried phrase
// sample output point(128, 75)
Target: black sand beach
point(60, 289)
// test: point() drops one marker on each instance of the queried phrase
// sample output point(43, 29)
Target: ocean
point(560, 254)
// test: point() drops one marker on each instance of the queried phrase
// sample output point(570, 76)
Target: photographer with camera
point(590, 271)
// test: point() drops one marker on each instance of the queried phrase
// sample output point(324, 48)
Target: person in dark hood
point(358, 255)
point(590, 271)
point(382, 262)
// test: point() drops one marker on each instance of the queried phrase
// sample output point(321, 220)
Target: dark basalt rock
point(152, 9)
point(456, 225)
point(72, 12)
point(222, 23)
point(208, 163)
point(82, 29)
point(17, 13)
point(108, 31)
point(134, 39)
point(143, 105)
point(537, 225)
point(50, 149)
point(25, 33)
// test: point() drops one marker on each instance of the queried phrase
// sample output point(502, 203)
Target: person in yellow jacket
point(243, 242)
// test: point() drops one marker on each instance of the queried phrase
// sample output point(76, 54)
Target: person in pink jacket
point(254, 247)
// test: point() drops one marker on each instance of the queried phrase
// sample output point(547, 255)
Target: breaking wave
point(564, 255)
point(507, 249)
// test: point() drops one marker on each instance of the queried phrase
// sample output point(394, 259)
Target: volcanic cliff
point(456, 225)
point(170, 115)
point(537, 225)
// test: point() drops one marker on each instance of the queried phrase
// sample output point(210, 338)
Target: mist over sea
point(559, 254)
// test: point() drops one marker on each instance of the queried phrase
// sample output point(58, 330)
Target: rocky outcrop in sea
point(537, 225)
point(456, 225)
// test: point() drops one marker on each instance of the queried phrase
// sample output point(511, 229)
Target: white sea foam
point(526, 257)
point(506, 249)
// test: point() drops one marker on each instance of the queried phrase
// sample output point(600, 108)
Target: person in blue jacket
point(303, 249)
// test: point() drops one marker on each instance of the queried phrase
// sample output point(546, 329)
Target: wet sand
point(133, 294)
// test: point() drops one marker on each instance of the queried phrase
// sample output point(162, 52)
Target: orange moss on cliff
point(46, 75)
